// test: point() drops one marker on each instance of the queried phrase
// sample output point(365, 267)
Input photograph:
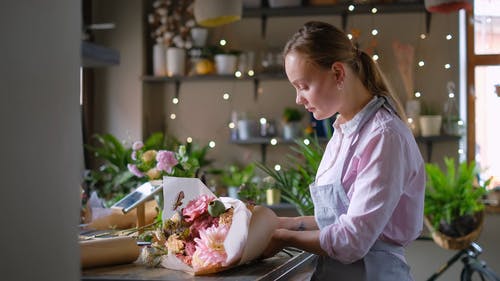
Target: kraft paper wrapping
point(112, 218)
point(248, 236)
point(108, 251)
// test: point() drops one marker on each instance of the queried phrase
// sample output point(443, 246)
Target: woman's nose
point(298, 98)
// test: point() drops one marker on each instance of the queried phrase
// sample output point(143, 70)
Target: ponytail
point(374, 80)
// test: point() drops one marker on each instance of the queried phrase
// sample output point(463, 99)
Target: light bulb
point(223, 42)
point(226, 96)
point(189, 139)
point(277, 167)
point(274, 141)
point(211, 144)
point(418, 94)
point(175, 100)
point(351, 8)
point(421, 63)
point(307, 141)
point(374, 32)
point(173, 116)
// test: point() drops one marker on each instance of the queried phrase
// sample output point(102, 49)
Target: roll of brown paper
point(108, 251)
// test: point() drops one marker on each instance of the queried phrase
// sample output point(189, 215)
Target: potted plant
point(235, 177)
point(291, 122)
point(453, 207)
point(226, 61)
point(430, 121)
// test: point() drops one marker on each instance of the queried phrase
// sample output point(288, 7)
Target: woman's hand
point(275, 245)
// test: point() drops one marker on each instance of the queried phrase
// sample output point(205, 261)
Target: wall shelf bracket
point(263, 25)
point(256, 85)
point(177, 87)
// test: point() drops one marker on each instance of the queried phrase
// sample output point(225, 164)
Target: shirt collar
point(350, 126)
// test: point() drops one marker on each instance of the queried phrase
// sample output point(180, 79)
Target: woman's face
point(316, 87)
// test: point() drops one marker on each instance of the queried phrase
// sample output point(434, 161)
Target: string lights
point(374, 33)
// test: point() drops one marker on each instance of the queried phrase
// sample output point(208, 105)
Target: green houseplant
point(453, 206)
point(291, 127)
point(236, 177)
point(293, 181)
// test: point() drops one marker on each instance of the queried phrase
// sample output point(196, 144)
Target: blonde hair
point(324, 44)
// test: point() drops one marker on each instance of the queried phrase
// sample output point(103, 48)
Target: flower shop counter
point(293, 264)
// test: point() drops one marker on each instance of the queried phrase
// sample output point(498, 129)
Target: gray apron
point(331, 201)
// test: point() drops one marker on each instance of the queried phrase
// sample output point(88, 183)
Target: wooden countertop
point(283, 266)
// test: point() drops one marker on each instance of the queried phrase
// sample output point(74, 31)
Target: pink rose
point(197, 207)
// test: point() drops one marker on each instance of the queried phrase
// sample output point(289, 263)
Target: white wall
point(118, 98)
point(41, 147)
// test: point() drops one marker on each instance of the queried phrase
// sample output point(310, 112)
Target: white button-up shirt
point(384, 181)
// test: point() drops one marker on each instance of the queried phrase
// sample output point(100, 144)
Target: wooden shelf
point(256, 79)
point(265, 141)
point(341, 9)
point(429, 141)
point(335, 9)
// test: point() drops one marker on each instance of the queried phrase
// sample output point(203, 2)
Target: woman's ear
point(338, 71)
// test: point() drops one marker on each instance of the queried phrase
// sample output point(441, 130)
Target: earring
point(340, 86)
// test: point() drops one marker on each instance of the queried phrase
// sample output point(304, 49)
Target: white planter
point(199, 35)
point(176, 61)
point(430, 125)
point(232, 191)
point(247, 129)
point(225, 64)
point(159, 60)
point(291, 130)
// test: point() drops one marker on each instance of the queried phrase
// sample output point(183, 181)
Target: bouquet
point(154, 164)
point(203, 234)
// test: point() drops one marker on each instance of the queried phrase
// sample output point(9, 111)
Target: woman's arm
point(298, 232)
point(298, 223)
point(305, 240)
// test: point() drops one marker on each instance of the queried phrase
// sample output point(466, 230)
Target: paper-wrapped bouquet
point(203, 234)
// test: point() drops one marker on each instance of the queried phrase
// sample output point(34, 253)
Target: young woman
point(369, 189)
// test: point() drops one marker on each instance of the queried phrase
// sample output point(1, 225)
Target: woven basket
point(455, 243)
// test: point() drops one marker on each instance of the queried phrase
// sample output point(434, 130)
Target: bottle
point(452, 124)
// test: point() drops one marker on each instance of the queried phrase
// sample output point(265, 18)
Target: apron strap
point(370, 112)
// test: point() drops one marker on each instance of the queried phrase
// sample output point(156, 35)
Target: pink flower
point(202, 222)
point(166, 161)
point(197, 207)
point(134, 170)
point(137, 145)
point(210, 249)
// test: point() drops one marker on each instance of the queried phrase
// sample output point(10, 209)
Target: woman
point(369, 189)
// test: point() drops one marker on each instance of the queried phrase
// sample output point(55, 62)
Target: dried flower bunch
point(171, 22)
